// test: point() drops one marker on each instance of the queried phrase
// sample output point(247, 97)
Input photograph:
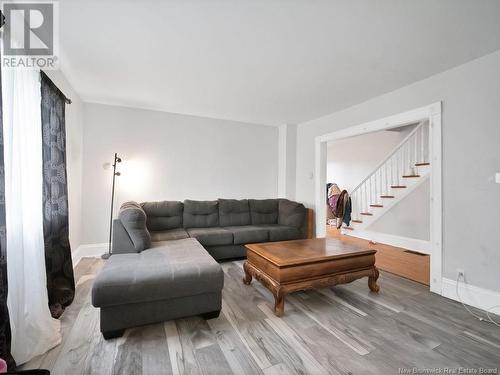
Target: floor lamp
point(115, 173)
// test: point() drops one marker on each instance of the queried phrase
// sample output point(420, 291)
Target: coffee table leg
point(279, 304)
point(247, 279)
point(372, 281)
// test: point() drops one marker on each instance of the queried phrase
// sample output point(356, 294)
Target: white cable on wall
point(460, 277)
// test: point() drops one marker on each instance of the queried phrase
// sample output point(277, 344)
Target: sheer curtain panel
point(34, 331)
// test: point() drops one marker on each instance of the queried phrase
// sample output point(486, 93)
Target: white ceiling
point(268, 62)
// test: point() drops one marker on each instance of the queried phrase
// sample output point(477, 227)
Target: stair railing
point(401, 161)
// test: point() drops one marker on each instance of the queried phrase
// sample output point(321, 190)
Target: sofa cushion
point(279, 232)
point(211, 236)
point(168, 235)
point(171, 270)
point(200, 214)
point(248, 234)
point(163, 215)
point(233, 212)
point(133, 219)
point(263, 211)
point(291, 213)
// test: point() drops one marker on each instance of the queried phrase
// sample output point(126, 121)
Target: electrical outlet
point(460, 273)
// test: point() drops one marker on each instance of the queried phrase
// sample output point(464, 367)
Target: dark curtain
point(4, 312)
point(60, 278)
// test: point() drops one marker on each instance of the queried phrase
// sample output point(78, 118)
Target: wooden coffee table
point(290, 266)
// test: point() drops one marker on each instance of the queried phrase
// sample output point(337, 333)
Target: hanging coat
point(347, 211)
point(340, 207)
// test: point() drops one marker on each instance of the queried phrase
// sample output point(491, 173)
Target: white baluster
point(415, 152)
point(360, 208)
point(379, 187)
point(401, 164)
point(386, 179)
point(379, 191)
point(366, 195)
point(373, 183)
point(422, 137)
point(396, 168)
point(359, 205)
point(370, 194)
point(392, 170)
point(356, 205)
point(371, 190)
point(384, 182)
point(365, 208)
point(410, 155)
point(405, 159)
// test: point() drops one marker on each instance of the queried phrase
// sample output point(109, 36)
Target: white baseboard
point(472, 295)
point(94, 250)
point(389, 239)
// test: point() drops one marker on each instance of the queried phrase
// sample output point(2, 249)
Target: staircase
point(401, 172)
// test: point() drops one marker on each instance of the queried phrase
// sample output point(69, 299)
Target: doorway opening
point(394, 168)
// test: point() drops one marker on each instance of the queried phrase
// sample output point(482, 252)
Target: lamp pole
point(115, 173)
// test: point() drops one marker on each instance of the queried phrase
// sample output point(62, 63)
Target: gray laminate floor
point(342, 330)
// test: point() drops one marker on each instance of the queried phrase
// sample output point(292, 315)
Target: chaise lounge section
point(170, 280)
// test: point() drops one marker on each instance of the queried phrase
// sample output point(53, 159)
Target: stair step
point(357, 221)
point(376, 205)
point(387, 196)
point(411, 176)
point(366, 213)
point(348, 228)
point(398, 187)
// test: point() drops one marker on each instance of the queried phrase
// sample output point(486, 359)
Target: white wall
point(471, 155)
point(350, 160)
point(74, 154)
point(171, 157)
point(287, 153)
point(408, 218)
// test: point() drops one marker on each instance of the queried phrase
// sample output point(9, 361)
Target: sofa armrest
point(307, 228)
point(121, 243)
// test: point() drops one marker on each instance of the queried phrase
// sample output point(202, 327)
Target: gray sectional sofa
point(223, 226)
point(164, 256)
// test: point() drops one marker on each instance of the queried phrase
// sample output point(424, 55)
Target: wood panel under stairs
point(396, 260)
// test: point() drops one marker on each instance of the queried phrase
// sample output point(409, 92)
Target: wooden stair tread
point(387, 196)
point(398, 187)
point(357, 221)
point(348, 228)
point(421, 164)
point(376, 205)
point(366, 213)
point(411, 176)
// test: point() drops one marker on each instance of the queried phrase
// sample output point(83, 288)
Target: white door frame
point(432, 113)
